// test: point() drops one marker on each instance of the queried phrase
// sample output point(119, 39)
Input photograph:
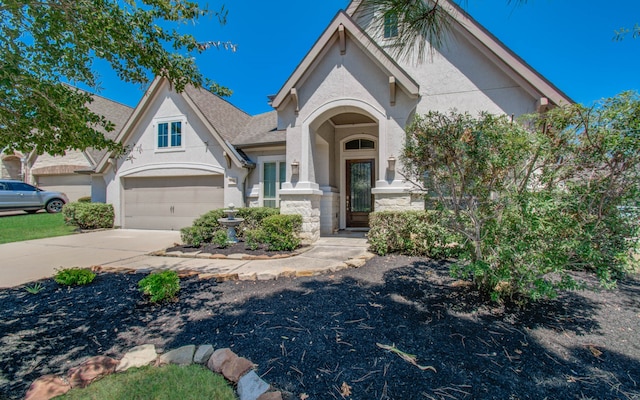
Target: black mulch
point(236, 248)
point(313, 335)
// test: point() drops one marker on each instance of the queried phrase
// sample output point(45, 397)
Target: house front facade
point(330, 148)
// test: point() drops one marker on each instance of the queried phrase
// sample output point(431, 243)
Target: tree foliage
point(45, 43)
point(423, 25)
point(537, 200)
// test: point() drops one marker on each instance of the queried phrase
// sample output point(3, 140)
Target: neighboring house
point(61, 173)
point(329, 150)
point(11, 166)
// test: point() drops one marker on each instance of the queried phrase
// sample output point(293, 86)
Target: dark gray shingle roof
point(260, 130)
point(113, 111)
point(227, 119)
point(236, 126)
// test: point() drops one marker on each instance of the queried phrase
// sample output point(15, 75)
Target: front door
point(359, 199)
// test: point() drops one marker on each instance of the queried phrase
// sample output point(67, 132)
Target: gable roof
point(113, 111)
point(261, 130)
point(342, 24)
point(222, 119)
point(508, 61)
point(227, 119)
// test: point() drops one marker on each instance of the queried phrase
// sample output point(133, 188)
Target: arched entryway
point(11, 166)
point(345, 152)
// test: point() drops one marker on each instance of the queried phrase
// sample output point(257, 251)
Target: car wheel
point(54, 206)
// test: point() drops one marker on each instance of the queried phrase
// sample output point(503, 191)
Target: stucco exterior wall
point(72, 157)
point(200, 153)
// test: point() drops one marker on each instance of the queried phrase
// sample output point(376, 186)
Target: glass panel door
point(359, 199)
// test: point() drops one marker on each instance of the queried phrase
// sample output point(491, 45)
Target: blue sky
point(570, 45)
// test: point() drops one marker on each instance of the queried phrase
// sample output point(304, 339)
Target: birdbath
point(230, 222)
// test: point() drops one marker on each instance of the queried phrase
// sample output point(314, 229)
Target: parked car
point(16, 195)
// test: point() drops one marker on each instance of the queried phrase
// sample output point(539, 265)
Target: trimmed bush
point(89, 215)
point(205, 226)
point(253, 238)
point(196, 235)
point(160, 286)
point(221, 239)
point(84, 199)
point(280, 232)
point(417, 233)
point(74, 276)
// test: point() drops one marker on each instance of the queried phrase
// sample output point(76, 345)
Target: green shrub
point(205, 226)
point(220, 239)
point(160, 286)
point(280, 232)
point(89, 215)
point(74, 276)
point(196, 235)
point(253, 217)
point(84, 199)
point(417, 233)
point(253, 238)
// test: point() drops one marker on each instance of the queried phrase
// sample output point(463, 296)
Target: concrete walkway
point(23, 262)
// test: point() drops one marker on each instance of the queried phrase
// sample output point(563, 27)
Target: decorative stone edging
point(355, 262)
point(237, 370)
point(236, 256)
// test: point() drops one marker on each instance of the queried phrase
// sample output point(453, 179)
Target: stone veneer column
point(307, 205)
point(394, 201)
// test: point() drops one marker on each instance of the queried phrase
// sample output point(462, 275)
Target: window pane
point(23, 187)
point(390, 25)
point(352, 145)
point(176, 134)
point(163, 135)
point(270, 203)
point(269, 181)
point(361, 187)
point(366, 144)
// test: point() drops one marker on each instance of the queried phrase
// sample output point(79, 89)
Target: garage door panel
point(171, 202)
point(74, 186)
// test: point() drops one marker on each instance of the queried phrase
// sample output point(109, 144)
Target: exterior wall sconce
point(391, 163)
point(295, 168)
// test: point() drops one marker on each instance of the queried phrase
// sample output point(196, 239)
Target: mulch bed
point(236, 248)
point(319, 336)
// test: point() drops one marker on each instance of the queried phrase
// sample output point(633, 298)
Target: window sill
point(170, 150)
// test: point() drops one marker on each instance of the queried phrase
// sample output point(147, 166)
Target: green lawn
point(17, 228)
point(165, 383)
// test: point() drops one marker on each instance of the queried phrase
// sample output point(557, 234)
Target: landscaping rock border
point(237, 370)
point(236, 256)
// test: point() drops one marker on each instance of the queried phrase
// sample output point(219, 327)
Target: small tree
point(534, 200)
point(46, 43)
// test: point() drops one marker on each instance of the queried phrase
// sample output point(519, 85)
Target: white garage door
point(73, 185)
point(170, 202)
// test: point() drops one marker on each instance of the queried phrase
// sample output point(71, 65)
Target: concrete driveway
point(27, 261)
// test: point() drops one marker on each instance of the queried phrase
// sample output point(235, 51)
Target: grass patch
point(167, 382)
point(17, 228)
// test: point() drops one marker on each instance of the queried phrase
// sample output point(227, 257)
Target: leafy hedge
point(280, 232)
point(261, 226)
point(414, 233)
point(89, 215)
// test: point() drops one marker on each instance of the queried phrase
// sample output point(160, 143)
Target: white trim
point(260, 165)
point(169, 120)
point(179, 166)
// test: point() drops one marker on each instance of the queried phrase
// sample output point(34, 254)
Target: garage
point(73, 185)
point(170, 202)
